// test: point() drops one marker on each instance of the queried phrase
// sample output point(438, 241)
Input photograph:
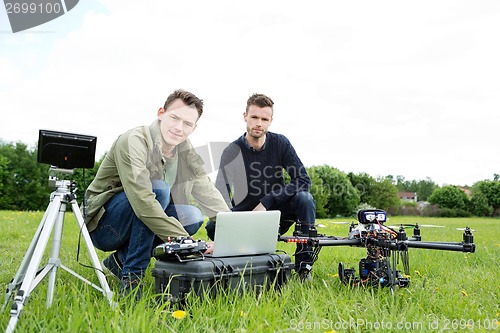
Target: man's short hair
point(259, 100)
point(188, 98)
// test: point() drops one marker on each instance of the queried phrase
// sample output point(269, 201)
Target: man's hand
point(210, 248)
point(260, 207)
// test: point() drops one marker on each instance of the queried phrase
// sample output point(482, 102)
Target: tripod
point(29, 275)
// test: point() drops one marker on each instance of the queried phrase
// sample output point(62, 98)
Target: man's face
point(258, 120)
point(178, 121)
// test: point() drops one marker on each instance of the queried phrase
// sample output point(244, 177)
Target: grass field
point(449, 291)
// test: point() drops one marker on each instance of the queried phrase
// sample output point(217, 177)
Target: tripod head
point(57, 176)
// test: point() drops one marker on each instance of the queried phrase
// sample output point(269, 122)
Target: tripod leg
point(93, 255)
point(24, 264)
point(54, 260)
point(33, 263)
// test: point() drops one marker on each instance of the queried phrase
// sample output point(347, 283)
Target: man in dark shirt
point(251, 177)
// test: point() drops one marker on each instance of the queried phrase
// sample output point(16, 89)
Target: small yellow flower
point(464, 293)
point(243, 314)
point(417, 272)
point(332, 331)
point(179, 314)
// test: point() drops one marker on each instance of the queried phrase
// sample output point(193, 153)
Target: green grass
point(449, 291)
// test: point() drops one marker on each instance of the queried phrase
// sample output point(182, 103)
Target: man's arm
point(207, 195)
point(192, 180)
point(231, 178)
point(224, 181)
point(300, 180)
point(130, 159)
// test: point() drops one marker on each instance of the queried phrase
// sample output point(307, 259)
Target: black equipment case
point(174, 279)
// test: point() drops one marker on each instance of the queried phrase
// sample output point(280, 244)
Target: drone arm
point(467, 245)
point(461, 247)
point(338, 242)
point(320, 241)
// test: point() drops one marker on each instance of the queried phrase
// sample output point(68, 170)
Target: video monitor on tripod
point(63, 151)
point(66, 150)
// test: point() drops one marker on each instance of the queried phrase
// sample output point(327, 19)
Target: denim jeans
point(301, 207)
point(121, 230)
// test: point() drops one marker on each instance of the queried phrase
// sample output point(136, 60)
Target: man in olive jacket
point(140, 192)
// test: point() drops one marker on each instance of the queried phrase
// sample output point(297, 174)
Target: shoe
point(131, 286)
point(113, 265)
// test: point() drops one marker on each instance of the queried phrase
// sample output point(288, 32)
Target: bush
point(463, 213)
point(431, 211)
point(436, 211)
point(447, 212)
point(409, 209)
point(479, 205)
point(449, 197)
point(496, 213)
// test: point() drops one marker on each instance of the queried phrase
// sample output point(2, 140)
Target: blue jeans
point(301, 207)
point(121, 230)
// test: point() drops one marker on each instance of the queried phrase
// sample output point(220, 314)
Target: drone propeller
point(343, 222)
point(409, 225)
point(462, 229)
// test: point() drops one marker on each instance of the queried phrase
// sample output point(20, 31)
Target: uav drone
point(384, 246)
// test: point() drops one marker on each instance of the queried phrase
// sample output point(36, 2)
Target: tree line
point(343, 194)
point(24, 185)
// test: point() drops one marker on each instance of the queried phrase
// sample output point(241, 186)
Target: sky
point(402, 88)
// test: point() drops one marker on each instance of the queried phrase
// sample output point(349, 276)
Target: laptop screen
point(246, 233)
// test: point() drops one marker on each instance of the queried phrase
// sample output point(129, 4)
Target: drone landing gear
point(373, 272)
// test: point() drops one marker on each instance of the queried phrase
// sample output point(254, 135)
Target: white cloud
point(384, 87)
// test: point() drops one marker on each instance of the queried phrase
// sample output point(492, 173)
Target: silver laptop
point(246, 233)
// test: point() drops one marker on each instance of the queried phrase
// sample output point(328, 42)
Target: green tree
point(479, 205)
point(384, 195)
point(24, 180)
point(401, 183)
point(364, 183)
point(3, 171)
point(423, 188)
point(490, 189)
point(319, 194)
point(449, 197)
point(380, 193)
point(343, 198)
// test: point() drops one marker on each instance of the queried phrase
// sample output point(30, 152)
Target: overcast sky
point(407, 88)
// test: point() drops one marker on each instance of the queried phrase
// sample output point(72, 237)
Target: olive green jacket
point(131, 164)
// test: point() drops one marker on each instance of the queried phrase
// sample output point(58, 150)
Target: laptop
point(246, 233)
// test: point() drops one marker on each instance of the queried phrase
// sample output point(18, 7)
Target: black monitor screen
point(66, 150)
